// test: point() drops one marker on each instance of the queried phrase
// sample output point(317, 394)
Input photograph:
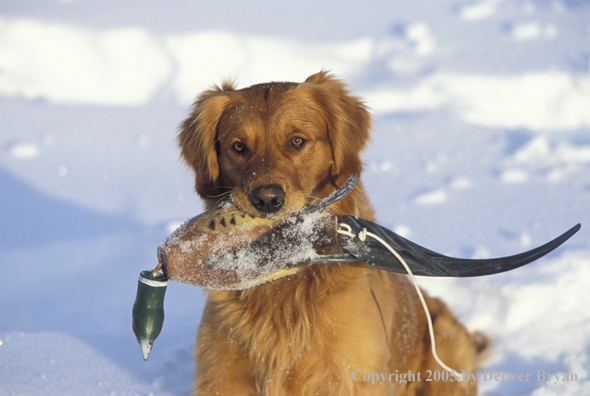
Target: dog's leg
point(220, 369)
point(418, 373)
point(456, 347)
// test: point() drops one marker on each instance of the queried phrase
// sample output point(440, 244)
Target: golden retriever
point(337, 329)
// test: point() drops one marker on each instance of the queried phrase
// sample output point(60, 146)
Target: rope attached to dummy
point(345, 229)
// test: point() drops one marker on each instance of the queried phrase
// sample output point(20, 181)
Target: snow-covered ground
point(481, 148)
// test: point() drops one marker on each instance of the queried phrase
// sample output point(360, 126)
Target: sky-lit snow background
point(481, 148)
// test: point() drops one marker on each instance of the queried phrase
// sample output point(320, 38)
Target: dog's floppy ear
point(348, 122)
point(198, 135)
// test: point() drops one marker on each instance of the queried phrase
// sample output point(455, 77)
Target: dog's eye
point(297, 142)
point(239, 147)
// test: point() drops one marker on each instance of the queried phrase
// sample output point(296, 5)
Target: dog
point(273, 149)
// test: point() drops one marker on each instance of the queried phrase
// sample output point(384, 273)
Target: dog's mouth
point(277, 200)
point(267, 199)
point(275, 207)
point(270, 201)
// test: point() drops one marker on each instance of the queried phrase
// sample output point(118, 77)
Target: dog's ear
point(347, 119)
point(198, 135)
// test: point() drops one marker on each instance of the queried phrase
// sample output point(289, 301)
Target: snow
point(535, 100)
point(481, 148)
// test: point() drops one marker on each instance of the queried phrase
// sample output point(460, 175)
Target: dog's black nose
point(268, 199)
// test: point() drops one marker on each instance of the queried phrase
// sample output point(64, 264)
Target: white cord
point(362, 235)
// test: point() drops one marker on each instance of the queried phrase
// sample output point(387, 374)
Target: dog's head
point(274, 147)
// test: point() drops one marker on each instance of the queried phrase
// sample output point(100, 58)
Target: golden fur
point(307, 333)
